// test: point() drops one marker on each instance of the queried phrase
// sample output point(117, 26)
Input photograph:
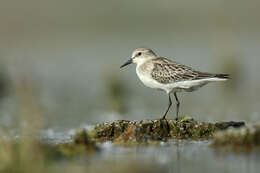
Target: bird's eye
point(139, 54)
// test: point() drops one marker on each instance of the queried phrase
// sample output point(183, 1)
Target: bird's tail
point(222, 76)
point(203, 75)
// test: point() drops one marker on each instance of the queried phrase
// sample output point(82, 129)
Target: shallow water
point(183, 156)
point(172, 156)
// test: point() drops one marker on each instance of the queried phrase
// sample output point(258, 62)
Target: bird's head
point(139, 56)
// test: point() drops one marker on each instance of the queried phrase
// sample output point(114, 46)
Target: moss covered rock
point(82, 144)
point(245, 138)
point(123, 131)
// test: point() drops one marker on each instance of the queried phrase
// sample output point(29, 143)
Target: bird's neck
point(142, 61)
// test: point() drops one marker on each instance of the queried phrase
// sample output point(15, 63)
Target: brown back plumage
point(167, 71)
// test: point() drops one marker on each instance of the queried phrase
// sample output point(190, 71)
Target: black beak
point(130, 61)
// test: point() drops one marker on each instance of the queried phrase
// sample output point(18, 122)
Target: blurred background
point(69, 53)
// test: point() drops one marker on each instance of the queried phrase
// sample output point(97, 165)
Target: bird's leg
point(177, 105)
point(169, 105)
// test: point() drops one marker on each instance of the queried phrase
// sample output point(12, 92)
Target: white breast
point(148, 81)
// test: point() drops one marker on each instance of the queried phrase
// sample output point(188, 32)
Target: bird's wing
point(167, 71)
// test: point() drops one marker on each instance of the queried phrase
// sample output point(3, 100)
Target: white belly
point(191, 85)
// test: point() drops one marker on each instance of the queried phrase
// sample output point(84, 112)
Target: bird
point(169, 76)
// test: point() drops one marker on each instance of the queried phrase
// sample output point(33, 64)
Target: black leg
point(177, 105)
point(169, 105)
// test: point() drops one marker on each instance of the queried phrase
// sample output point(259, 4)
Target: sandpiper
point(169, 76)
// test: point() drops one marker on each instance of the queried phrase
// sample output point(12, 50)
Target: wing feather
point(167, 71)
